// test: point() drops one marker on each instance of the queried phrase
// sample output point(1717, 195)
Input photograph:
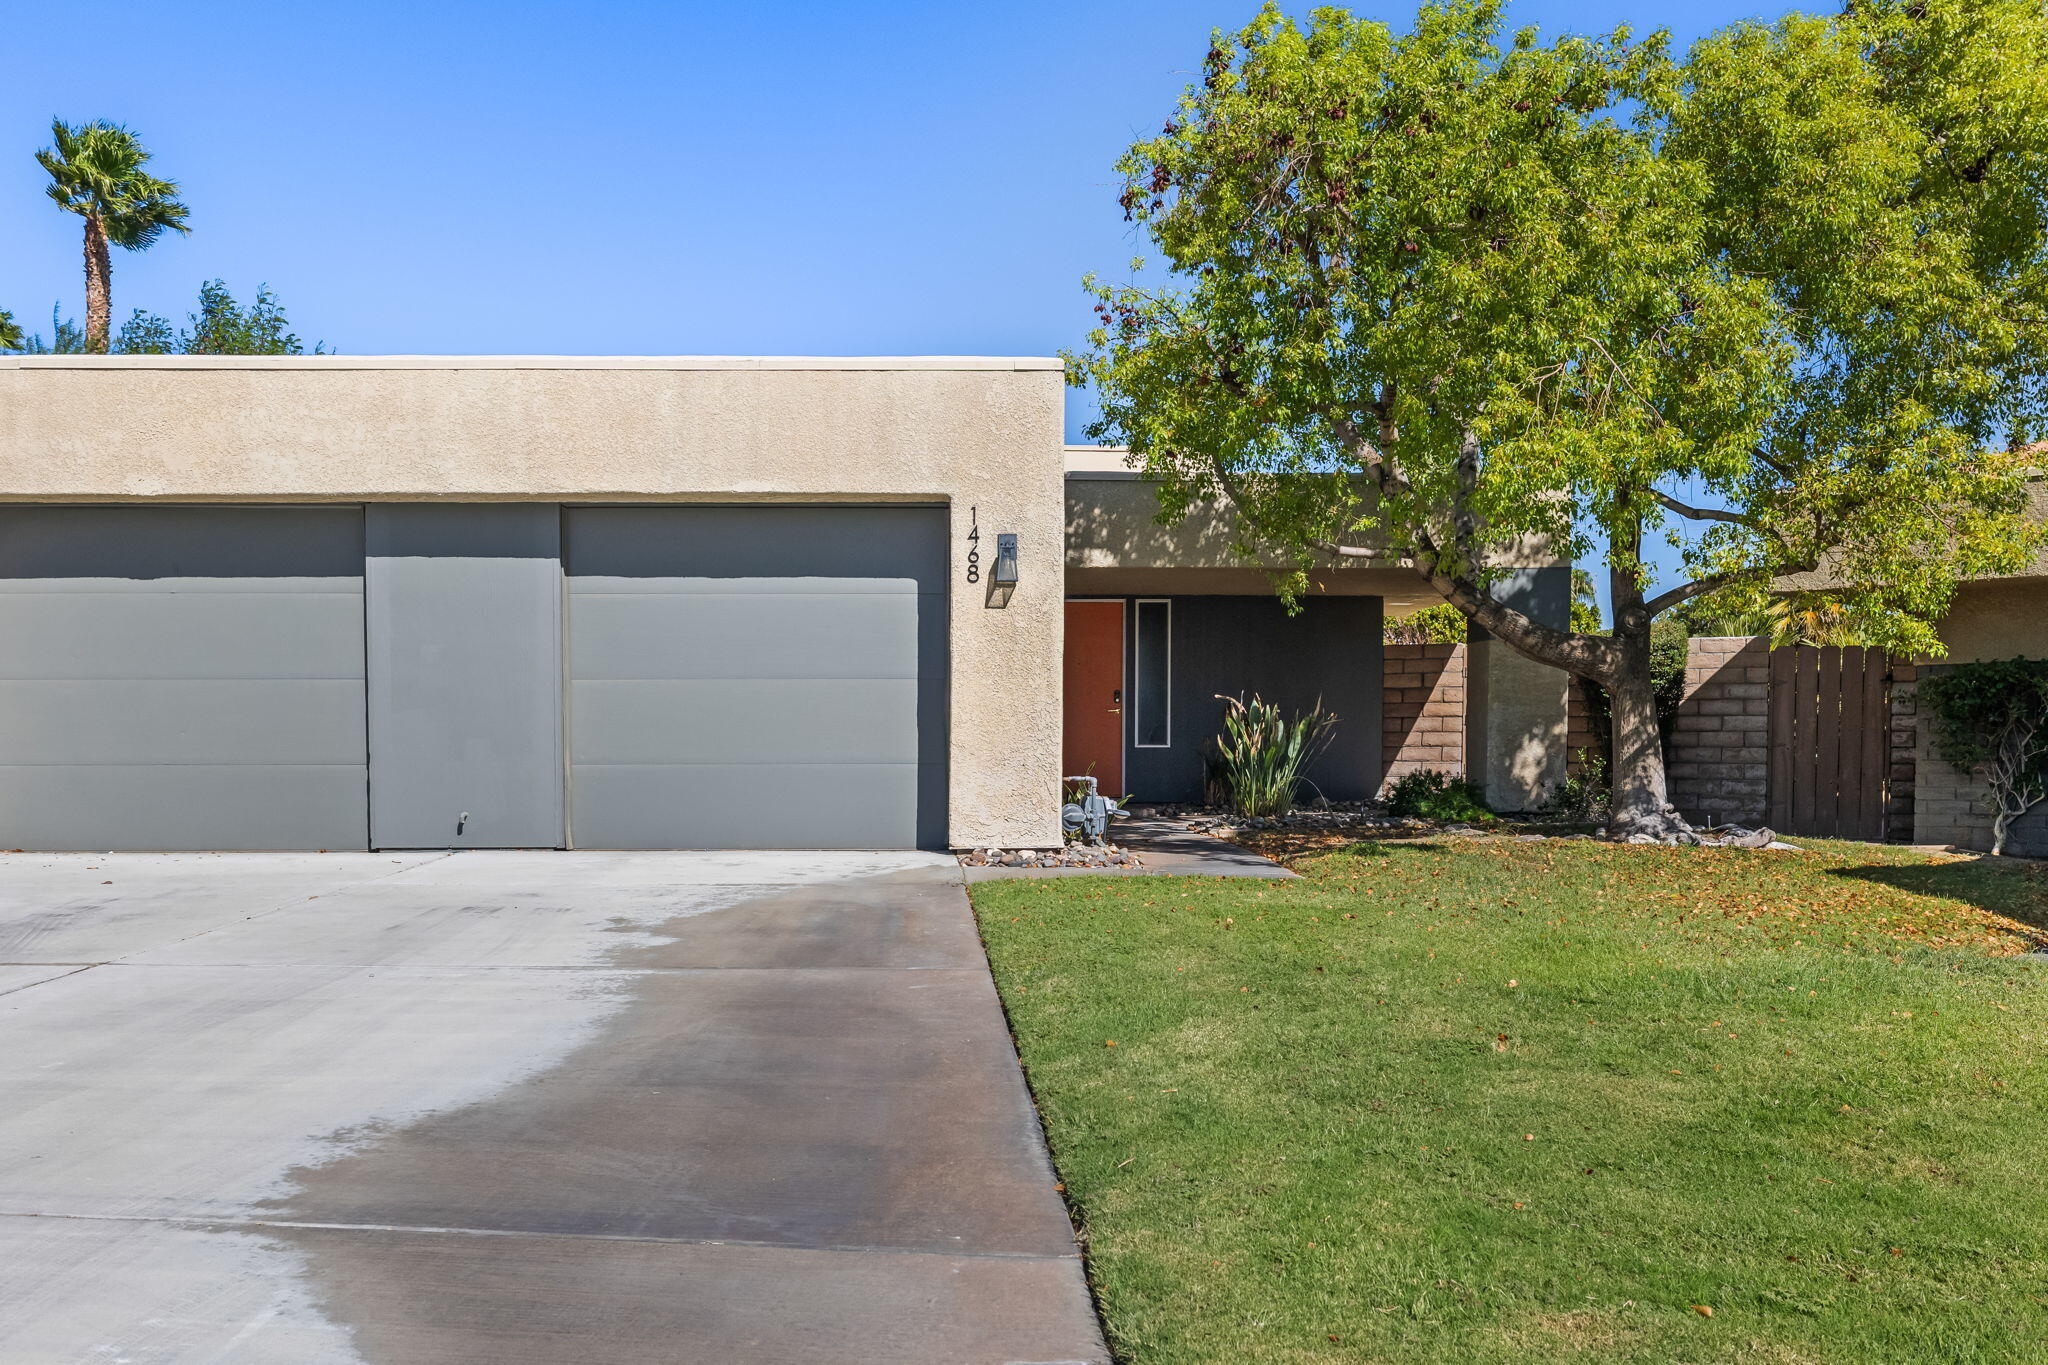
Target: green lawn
point(1486, 1101)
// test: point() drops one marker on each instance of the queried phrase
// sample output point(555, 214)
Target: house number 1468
point(973, 547)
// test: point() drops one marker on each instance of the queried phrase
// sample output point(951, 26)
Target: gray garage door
point(757, 677)
point(181, 677)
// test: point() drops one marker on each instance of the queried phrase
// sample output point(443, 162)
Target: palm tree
point(96, 171)
point(10, 332)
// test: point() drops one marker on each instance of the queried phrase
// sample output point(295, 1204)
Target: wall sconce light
point(1002, 577)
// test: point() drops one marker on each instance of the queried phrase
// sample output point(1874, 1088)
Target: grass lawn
point(1478, 1100)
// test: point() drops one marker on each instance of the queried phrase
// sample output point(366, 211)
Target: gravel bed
point(1365, 815)
point(1073, 855)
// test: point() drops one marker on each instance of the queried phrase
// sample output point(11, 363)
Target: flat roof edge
point(526, 362)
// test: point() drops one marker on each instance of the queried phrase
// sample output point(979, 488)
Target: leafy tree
point(97, 172)
point(222, 326)
point(1790, 618)
point(66, 338)
point(1442, 624)
point(11, 336)
point(1781, 301)
point(1585, 613)
point(146, 334)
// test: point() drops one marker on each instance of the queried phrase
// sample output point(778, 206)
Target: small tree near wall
point(1992, 717)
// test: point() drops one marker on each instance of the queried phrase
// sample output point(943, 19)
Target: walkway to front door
point(526, 1108)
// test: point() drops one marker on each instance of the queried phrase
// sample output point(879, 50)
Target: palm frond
point(97, 171)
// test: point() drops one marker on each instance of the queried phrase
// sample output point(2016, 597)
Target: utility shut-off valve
point(1089, 816)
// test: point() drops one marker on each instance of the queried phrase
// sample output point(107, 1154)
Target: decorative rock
point(1071, 855)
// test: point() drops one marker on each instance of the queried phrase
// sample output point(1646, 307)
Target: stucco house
point(1164, 621)
point(332, 602)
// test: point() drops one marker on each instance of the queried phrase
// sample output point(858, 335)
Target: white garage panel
point(182, 677)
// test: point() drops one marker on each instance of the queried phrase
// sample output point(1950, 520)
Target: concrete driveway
point(515, 1107)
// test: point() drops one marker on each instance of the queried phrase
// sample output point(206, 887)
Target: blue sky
point(628, 177)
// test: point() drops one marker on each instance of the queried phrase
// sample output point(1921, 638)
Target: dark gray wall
point(1241, 645)
point(757, 676)
point(463, 614)
point(1544, 594)
point(182, 677)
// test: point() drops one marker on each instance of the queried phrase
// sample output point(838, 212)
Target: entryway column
point(1514, 706)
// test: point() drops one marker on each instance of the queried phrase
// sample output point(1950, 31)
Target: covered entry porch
point(1162, 622)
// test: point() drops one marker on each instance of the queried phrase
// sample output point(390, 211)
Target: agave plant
point(1256, 763)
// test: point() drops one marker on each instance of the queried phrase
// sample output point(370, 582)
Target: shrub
point(1257, 763)
point(1991, 716)
point(1442, 624)
point(1584, 796)
point(1428, 794)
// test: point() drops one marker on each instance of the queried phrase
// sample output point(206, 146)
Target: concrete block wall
point(1948, 804)
point(1579, 740)
point(1952, 807)
point(1903, 789)
point(1423, 709)
point(1719, 768)
point(1718, 758)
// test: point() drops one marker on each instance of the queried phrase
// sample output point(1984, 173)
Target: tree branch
point(1701, 513)
point(1588, 656)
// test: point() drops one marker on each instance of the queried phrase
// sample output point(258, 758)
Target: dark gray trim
point(1237, 645)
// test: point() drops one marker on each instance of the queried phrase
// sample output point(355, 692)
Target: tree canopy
point(98, 171)
point(1551, 288)
point(1780, 299)
point(221, 326)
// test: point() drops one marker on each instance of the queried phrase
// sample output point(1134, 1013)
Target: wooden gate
point(1830, 737)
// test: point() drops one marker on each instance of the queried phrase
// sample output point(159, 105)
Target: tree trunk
point(99, 304)
point(1641, 804)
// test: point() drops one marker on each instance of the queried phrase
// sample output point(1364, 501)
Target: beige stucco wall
point(1996, 618)
point(1117, 544)
point(971, 432)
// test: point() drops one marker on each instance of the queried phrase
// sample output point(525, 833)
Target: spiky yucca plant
point(1259, 758)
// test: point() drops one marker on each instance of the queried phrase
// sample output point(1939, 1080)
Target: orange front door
point(1094, 683)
